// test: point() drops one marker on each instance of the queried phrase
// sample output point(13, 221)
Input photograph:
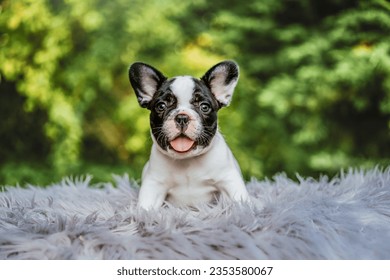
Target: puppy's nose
point(182, 120)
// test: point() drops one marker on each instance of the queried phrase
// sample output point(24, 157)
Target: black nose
point(182, 120)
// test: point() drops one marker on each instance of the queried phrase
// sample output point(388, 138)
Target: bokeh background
point(313, 96)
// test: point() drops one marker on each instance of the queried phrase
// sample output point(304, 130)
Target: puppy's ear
point(222, 79)
point(145, 81)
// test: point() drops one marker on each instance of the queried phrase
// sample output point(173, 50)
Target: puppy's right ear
point(145, 81)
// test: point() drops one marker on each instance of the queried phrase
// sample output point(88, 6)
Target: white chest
point(191, 186)
point(194, 180)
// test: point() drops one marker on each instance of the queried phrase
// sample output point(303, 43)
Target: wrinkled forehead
point(184, 88)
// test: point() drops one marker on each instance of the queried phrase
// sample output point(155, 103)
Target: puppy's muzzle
point(181, 121)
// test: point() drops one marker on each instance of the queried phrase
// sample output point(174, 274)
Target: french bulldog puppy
point(190, 162)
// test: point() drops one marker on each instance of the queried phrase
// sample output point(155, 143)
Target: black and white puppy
point(190, 161)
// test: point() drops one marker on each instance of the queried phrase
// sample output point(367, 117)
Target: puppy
point(190, 161)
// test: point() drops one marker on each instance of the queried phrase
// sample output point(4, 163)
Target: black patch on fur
point(202, 94)
point(137, 72)
point(231, 72)
point(165, 95)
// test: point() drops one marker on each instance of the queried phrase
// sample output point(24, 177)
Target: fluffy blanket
point(347, 217)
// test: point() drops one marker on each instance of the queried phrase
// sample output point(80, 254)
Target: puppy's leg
point(151, 195)
point(235, 188)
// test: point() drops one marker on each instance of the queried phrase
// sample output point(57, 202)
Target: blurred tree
point(318, 95)
point(314, 92)
point(69, 60)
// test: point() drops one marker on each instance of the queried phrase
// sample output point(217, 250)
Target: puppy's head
point(183, 109)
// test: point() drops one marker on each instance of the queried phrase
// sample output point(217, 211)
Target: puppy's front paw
point(151, 198)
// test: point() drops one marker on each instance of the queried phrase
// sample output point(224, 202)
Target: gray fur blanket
point(347, 217)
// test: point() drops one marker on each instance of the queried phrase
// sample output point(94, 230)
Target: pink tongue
point(182, 144)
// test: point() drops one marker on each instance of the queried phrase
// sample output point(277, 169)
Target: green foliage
point(313, 97)
point(24, 173)
point(321, 72)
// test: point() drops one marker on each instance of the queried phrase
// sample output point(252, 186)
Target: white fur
point(193, 180)
point(196, 175)
point(183, 88)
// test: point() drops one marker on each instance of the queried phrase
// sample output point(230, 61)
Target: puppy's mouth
point(182, 144)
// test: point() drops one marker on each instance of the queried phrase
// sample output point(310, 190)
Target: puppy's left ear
point(222, 79)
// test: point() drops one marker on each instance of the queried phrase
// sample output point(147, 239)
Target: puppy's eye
point(205, 107)
point(160, 107)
